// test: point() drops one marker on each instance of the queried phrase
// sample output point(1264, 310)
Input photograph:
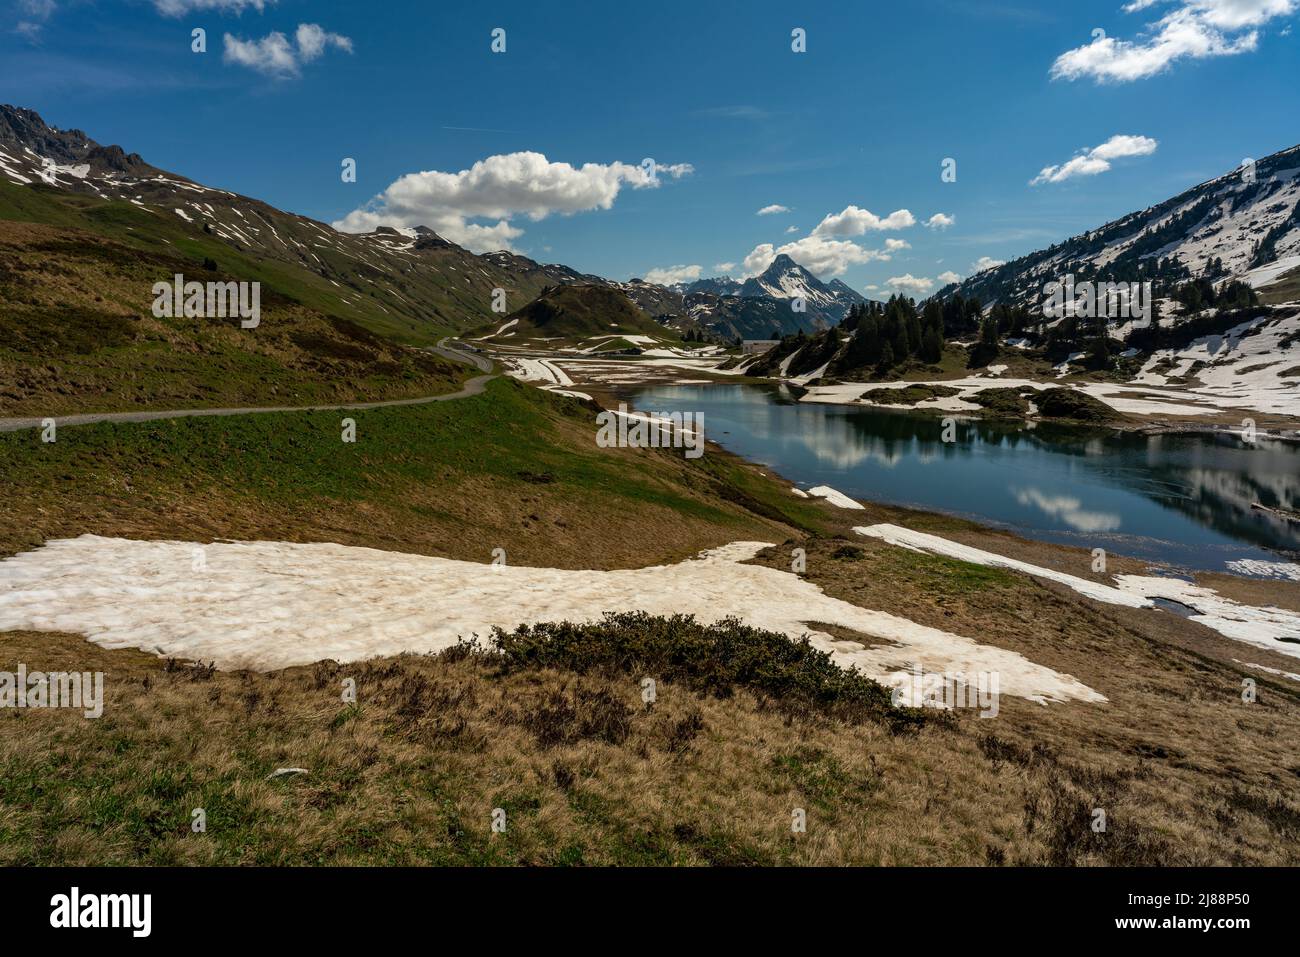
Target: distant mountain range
point(1234, 226)
point(415, 286)
point(770, 298)
point(410, 284)
point(761, 307)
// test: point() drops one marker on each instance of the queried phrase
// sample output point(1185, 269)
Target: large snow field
point(270, 605)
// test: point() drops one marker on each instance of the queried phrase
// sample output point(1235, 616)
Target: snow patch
point(278, 604)
point(838, 499)
point(1264, 627)
point(1258, 568)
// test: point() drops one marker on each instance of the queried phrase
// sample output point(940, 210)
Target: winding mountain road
point(471, 387)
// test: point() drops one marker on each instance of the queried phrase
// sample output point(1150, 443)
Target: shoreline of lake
point(1065, 511)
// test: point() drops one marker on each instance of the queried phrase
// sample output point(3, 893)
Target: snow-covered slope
point(786, 279)
point(1233, 226)
point(1253, 366)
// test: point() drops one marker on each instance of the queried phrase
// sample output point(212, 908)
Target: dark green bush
point(715, 659)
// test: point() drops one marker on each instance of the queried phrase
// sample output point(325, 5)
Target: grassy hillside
point(550, 725)
point(77, 334)
point(513, 466)
point(149, 230)
point(411, 293)
point(588, 775)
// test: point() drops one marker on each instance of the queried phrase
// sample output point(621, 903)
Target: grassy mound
point(578, 314)
point(1074, 405)
point(909, 395)
point(1011, 403)
point(413, 772)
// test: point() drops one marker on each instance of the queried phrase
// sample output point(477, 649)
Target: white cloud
point(772, 210)
point(759, 259)
point(823, 257)
point(177, 8)
point(791, 229)
point(500, 187)
point(673, 274)
point(478, 238)
point(916, 285)
point(986, 262)
point(949, 277)
point(723, 267)
point(829, 257)
point(1195, 29)
point(940, 221)
point(34, 14)
point(852, 221)
point(312, 41)
point(1096, 159)
point(825, 252)
point(275, 55)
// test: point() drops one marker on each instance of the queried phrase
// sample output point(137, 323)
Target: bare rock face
point(34, 145)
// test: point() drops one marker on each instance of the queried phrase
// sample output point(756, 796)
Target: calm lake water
point(1176, 498)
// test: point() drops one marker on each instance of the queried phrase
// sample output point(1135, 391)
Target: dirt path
point(473, 386)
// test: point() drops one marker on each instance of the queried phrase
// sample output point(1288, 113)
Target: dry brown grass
point(1175, 757)
point(587, 774)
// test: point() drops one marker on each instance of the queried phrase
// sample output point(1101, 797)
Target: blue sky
point(854, 129)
